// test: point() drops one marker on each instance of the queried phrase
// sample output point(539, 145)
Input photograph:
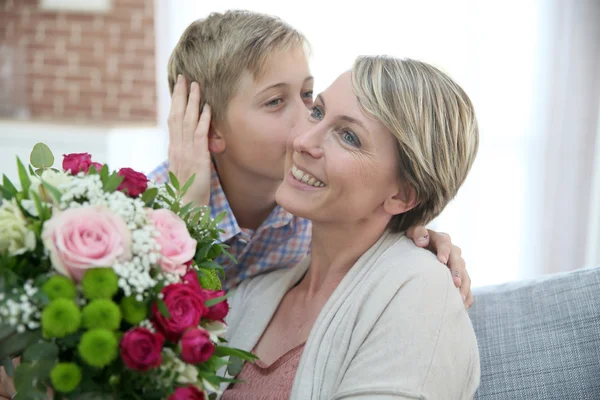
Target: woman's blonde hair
point(216, 50)
point(434, 123)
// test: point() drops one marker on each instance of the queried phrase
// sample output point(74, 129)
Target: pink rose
point(77, 162)
point(177, 246)
point(189, 392)
point(83, 238)
point(135, 182)
point(196, 346)
point(186, 308)
point(219, 311)
point(141, 349)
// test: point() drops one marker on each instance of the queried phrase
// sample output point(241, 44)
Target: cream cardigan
point(394, 328)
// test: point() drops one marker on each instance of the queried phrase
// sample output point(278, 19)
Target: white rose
point(14, 235)
point(58, 179)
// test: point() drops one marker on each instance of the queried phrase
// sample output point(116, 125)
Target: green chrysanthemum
point(100, 283)
point(101, 313)
point(65, 377)
point(60, 318)
point(209, 279)
point(98, 347)
point(133, 311)
point(59, 287)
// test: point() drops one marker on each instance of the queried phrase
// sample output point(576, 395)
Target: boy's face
point(263, 112)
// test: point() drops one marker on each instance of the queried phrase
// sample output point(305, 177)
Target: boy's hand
point(449, 254)
point(188, 141)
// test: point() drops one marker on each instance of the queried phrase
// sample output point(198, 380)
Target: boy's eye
point(317, 113)
point(307, 95)
point(274, 102)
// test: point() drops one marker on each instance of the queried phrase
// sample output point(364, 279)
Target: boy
point(254, 73)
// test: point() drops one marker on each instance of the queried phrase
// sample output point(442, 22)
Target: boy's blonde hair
point(215, 52)
point(434, 123)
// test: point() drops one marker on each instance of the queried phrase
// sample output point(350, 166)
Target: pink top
point(267, 382)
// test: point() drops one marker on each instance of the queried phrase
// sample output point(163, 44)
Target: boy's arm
point(188, 141)
point(447, 253)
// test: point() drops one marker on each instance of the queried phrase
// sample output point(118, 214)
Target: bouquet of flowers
point(107, 285)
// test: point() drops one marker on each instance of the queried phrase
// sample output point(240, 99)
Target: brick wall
point(78, 66)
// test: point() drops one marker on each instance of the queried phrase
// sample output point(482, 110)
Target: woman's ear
point(402, 201)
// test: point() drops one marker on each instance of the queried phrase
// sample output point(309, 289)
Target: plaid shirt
point(281, 241)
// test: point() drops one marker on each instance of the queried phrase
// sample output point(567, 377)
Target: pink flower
point(189, 392)
point(77, 162)
point(135, 182)
point(83, 238)
point(219, 311)
point(196, 346)
point(186, 308)
point(141, 349)
point(177, 246)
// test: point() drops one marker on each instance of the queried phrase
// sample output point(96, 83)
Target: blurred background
point(90, 75)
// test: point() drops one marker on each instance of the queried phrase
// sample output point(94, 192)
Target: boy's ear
point(402, 201)
point(216, 141)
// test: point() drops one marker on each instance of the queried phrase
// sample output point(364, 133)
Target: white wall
point(134, 147)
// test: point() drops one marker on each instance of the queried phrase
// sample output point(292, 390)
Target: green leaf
point(24, 178)
point(104, 172)
point(6, 330)
point(8, 365)
point(185, 210)
point(54, 191)
point(215, 251)
point(174, 181)
point(41, 156)
point(31, 171)
point(14, 345)
point(235, 366)
point(92, 170)
point(212, 396)
point(216, 300)
point(162, 307)
point(8, 185)
point(149, 196)
point(219, 217)
point(229, 255)
point(170, 191)
point(43, 212)
point(223, 351)
point(187, 185)
point(112, 183)
point(41, 351)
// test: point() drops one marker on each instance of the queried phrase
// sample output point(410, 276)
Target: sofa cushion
point(540, 339)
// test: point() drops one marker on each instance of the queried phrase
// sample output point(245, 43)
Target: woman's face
point(341, 163)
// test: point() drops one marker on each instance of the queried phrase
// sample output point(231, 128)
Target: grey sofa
point(540, 339)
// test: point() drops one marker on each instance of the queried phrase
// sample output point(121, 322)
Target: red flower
point(219, 311)
point(135, 182)
point(196, 346)
point(96, 165)
point(77, 162)
point(191, 278)
point(141, 349)
point(186, 307)
point(187, 393)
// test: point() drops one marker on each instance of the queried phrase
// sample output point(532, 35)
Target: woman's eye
point(317, 113)
point(274, 102)
point(351, 138)
point(307, 95)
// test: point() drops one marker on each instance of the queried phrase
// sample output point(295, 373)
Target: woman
point(368, 315)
